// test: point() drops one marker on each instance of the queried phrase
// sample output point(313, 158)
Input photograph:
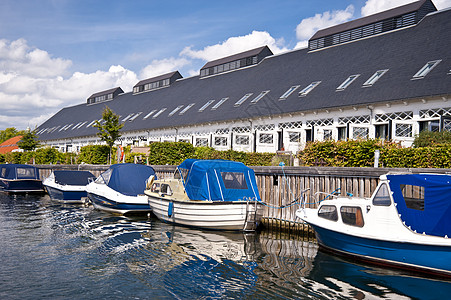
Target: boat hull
point(21, 186)
point(114, 206)
point(427, 258)
point(66, 195)
point(218, 215)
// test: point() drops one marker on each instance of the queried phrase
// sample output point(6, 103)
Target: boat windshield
point(24, 173)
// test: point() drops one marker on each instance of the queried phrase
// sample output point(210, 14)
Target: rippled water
point(68, 251)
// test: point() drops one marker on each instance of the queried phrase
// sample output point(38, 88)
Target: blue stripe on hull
point(110, 205)
point(61, 195)
point(406, 255)
point(22, 185)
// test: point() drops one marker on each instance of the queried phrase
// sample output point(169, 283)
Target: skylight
point(127, 117)
point(217, 105)
point(175, 110)
point(244, 98)
point(90, 124)
point(347, 82)
point(426, 69)
point(186, 108)
point(262, 94)
point(309, 88)
point(289, 92)
point(372, 80)
point(206, 105)
point(158, 113)
point(135, 116)
point(149, 114)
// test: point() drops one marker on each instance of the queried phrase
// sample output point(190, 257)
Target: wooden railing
point(282, 186)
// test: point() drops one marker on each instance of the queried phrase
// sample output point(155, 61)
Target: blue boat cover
point(17, 171)
point(128, 179)
point(434, 218)
point(67, 177)
point(218, 180)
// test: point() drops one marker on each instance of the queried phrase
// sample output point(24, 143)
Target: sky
point(56, 53)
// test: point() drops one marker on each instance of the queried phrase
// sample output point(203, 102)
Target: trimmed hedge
point(361, 154)
point(94, 154)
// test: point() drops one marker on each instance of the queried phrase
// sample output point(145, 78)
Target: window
point(158, 113)
point(328, 212)
point(135, 116)
point(347, 82)
point(149, 114)
point(413, 196)
point(220, 141)
point(244, 98)
point(206, 105)
point(327, 134)
point(309, 88)
point(217, 105)
point(186, 108)
point(242, 139)
point(90, 124)
point(360, 133)
point(289, 92)
point(294, 137)
point(104, 178)
point(266, 138)
point(372, 80)
point(352, 215)
point(201, 142)
point(382, 196)
point(23, 173)
point(262, 94)
point(234, 180)
point(165, 189)
point(426, 69)
point(127, 117)
point(403, 130)
point(175, 110)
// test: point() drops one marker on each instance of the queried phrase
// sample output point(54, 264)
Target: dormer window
point(347, 82)
point(154, 83)
point(104, 96)
point(426, 69)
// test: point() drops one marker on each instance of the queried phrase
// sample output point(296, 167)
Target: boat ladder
point(251, 222)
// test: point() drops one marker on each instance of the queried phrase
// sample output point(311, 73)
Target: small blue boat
point(120, 189)
point(16, 178)
point(406, 223)
point(68, 186)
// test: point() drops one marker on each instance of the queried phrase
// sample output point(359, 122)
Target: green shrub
point(432, 139)
point(2, 158)
point(170, 153)
point(94, 154)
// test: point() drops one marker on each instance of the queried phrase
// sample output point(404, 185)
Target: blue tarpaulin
point(434, 192)
point(69, 177)
point(18, 171)
point(218, 180)
point(128, 179)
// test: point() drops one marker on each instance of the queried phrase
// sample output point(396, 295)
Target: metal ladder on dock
point(251, 222)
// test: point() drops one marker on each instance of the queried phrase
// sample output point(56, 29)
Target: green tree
point(29, 141)
point(109, 130)
point(432, 139)
point(9, 133)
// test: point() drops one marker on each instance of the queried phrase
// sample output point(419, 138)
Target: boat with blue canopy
point(213, 194)
point(406, 223)
point(17, 178)
point(120, 189)
point(68, 186)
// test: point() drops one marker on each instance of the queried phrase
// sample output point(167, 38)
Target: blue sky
point(56, 53)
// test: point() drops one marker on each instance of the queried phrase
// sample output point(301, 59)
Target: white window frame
point(305, 91)
point(175, 110)
point(244, 98)
point(426, 69)
point(186, 108)
point(220, 102)
point(289, 92)
point(347, 82)
point(159, 113)
point(374, 78)
point(204, 107)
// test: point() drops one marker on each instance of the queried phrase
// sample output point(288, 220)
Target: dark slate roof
point(403, 52)
point(234, 57)
point(397, 11)
point(170, 75)
point(116, 90)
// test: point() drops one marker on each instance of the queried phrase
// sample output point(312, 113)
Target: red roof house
point(10, 145)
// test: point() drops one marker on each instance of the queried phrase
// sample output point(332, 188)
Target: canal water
point(56, 251)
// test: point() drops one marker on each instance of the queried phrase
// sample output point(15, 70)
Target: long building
point(386, 76)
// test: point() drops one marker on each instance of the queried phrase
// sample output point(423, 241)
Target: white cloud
point(163, 66)
point(235, 45)
point(442, 4)
point(307, 28)
point(33, 86)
